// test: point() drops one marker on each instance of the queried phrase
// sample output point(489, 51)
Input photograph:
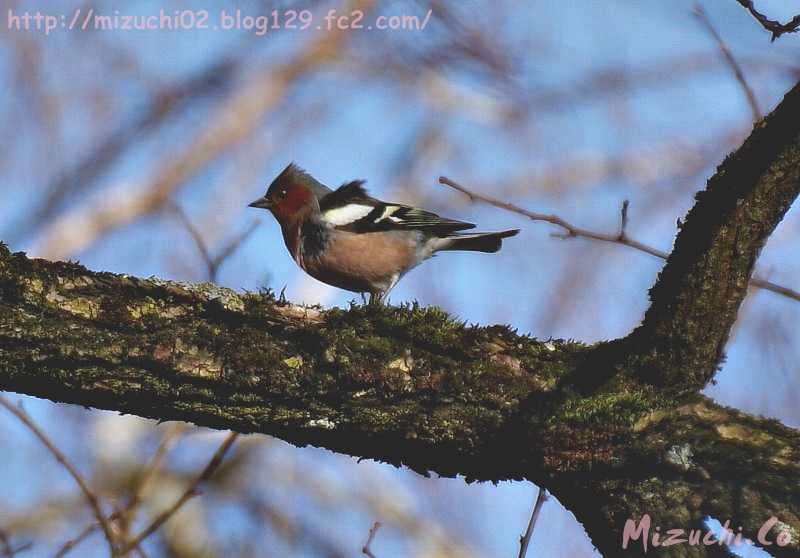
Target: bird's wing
point(351, 208)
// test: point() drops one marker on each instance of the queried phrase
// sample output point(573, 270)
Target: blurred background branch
point(731, 60)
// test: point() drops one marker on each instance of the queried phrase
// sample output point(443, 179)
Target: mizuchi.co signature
point(784, 535)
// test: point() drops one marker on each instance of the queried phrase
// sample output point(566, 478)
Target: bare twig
point(199, 242)
point(5, 546)
point(233, 244)
point(623, 220)
point(67, 547)
point(525, 539)
point(120, 516)
point(213, 263)
point(72, 543)
point(7, 550)
point(571, 231)
point(21, 548)
point(290, 527)
point(728, 55)
point(775, 27)
point(366, 550)
point(167, 442)
point(84, 486)
point(775, 288)
point(190, 492)
point(13, 551)
point(125, 516)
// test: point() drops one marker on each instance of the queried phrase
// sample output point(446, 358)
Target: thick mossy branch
point(699, 291)
point(697, 461)
point(405, 385)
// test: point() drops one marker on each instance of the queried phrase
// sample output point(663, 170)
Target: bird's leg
point(363, 299)
point(378, 297)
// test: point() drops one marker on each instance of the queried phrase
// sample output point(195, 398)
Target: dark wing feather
point(385, 216)
point(349, 192)
point(406, 217)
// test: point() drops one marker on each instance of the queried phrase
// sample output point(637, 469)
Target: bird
point(348, 239)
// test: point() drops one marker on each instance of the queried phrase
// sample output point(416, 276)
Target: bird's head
point(291, 197)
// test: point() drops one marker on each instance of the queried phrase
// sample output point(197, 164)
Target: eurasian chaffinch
point(350, 240)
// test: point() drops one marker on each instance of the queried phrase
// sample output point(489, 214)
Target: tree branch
point(366, 550)
point(91, 497)
point(698, 293)
point(404, 385)
point(525, 540)
point(574, 231)
point(188, 494)
point(775, 27)
point(615, 430)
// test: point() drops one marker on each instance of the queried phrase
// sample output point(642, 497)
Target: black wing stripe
point(388, 217)
point(384, 216)
point(350, 192)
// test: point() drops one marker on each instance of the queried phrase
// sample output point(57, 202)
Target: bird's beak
point(261, 203)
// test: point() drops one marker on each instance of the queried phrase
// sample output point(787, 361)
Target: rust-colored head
point(290, 197)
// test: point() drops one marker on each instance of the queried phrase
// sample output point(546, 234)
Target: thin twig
point(775, 27)
point(234, 243)
point(124, 516)
point(13, 551)
point(728, 55)
point(366, 550)
point(7, 550)
point(525, 539)
point(167, 442)
point(198, 239)
point(576, 232)
point(191, 492)
point(213, 263)
point(21, 548)
point(61, 458)
point(65, 548)
point(623, 220)
point(4, 544)
point(119, 515)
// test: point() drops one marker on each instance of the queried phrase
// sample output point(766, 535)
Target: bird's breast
point(361, 262)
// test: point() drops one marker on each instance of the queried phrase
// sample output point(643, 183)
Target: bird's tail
point(476, 242)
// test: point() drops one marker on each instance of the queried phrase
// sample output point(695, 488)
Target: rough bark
point(615, 430)
point(700, 289)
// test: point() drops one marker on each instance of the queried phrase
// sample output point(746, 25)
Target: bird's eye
point(282, 193)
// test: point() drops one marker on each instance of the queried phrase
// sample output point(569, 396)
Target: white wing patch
point(388, 212)
point(339, 216)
